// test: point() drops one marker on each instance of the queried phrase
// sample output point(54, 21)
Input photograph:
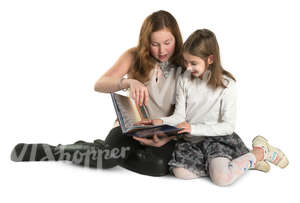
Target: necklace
point(165, 68)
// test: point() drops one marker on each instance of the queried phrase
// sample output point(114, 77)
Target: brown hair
point(143, 61)
point(203, 43)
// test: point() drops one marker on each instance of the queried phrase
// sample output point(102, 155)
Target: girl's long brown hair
point(143, 61)
point(203, 43)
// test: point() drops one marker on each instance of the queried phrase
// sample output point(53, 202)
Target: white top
point(209, 112)
point(162, 91)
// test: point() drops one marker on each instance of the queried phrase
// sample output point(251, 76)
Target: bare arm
point(110, 81)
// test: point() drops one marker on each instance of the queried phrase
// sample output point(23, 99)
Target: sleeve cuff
point(194, 130)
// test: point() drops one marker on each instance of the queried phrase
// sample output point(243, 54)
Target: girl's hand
point(138, 92)
point(156, 121)
point(150, 122)
point(155, 141)
point(186, 127)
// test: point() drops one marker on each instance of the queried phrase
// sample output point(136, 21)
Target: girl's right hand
point(155, 141)
point(150, 122)
point(138, 92)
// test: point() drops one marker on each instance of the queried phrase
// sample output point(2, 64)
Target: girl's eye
point(154, 44)
point(193, 64)
point(167, 43)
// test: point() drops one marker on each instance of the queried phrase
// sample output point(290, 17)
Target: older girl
point(152, 67)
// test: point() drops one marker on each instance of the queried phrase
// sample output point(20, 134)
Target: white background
point(52, 52)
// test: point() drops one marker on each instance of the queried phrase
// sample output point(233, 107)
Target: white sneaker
point(271, 154)
point(262, 166)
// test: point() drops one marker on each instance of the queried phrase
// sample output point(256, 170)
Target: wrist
point(123, 83)
point(126, 83)
point(157, 121)
point(160, 121)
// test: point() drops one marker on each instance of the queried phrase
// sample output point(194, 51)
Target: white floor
point(64, 182)
point(52, 52)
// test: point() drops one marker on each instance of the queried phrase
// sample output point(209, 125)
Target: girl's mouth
point(195, 73)
point(162, 57)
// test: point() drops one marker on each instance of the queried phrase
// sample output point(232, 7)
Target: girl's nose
point(189, 68)
point(161, 49)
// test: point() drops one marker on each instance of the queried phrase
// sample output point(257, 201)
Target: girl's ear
point(210, 59)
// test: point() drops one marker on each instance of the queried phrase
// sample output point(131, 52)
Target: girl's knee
point(219, 172)
point(221, 178)
point(185, 174)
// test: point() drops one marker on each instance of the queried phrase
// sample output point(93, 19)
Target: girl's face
point(162, 45)
point(194, 64)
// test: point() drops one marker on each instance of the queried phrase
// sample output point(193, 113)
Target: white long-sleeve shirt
point(209, 112)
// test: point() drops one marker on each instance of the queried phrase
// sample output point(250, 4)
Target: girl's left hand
point(155, 141)
point(186, 127)
point(150, 122)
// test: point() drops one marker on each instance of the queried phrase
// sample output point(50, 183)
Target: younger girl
point(206, 110)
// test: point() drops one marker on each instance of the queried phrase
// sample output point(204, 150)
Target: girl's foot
point(262, 166)
point(269, 153)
